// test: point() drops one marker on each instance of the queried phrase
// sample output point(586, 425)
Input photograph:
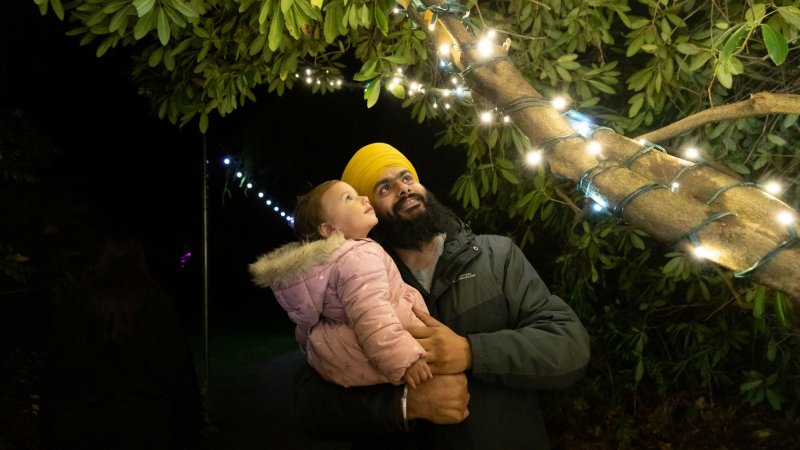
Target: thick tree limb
point(742, 238)
point(759, 104)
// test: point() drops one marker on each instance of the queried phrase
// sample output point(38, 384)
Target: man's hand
point(417, 373)
point(442, 399)
point(447, 351)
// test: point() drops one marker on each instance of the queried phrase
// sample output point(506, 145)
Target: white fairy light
point(559, 103)
point(276, 209)
point(269, 202)
point(249, 185)
point(704, 252)
point(260, 195)
point(485, 47)
point(447, 106)
point(675, 186)
point(308, 71)
point(338, 82)
point(533, 157)
point(692, 153)
point(454, 80)
point(309, 80)
point(773, 187)
point(283, 214)
point(594, 147)
point(487, 116)
point(583, 128)
point(226, 161)
point(444, 49)
point(597, 207)
point(491, 34)
point(239, 174)
point(786, 218)
point(506, 119)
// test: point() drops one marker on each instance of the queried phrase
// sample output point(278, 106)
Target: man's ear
point(326, 230)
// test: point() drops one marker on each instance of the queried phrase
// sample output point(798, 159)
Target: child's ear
point(326, 230)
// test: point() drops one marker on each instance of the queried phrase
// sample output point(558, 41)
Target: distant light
point(309, 80)
point(594, 147)
point(399, 70)
point(559, 103)
point(331, 82)
point(260, 195)
point(773, 187)
point(447, 106)
point(276, 209)
point(486, 116)
point(435, 106)
point(338, 82)
point(317, 80)
point(226, 161)
point(249, 185)
point(269, 202)
point(533, 157)
point(283, 214)
point(239, 174)
point(506, 119)
point(692, 153)
point(308, 71)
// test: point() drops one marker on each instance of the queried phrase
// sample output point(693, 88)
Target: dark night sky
point(142, 170)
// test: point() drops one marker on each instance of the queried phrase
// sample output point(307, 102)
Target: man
point(500, 335)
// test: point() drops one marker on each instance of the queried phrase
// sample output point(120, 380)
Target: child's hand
point(417, 373)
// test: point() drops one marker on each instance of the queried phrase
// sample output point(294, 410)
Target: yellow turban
point(366, 167)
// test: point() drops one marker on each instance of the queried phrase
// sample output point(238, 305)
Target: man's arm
point(329, 411)
point(546, 347)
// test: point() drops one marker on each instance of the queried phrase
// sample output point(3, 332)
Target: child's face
point(347, 211)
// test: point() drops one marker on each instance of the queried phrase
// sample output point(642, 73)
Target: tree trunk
point(740, 240)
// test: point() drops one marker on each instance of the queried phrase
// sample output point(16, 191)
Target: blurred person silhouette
point(119, 372)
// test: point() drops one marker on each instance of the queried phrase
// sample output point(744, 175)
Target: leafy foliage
point(661, 322)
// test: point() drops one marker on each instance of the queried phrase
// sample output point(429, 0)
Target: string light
point(594, 148)
point(250, 185)
point(786, 218)
point(704, 252)
point(533, 157)
point(559, 103)
point(773, 187)
point(692, 153)
point(487, 116)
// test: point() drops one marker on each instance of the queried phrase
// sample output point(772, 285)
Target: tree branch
point(759, 104)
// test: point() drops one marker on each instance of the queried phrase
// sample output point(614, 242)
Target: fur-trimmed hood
point(294, 260)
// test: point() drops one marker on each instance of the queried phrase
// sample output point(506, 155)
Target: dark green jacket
point(523, 339)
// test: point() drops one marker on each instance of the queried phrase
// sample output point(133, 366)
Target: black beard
point(413, 233)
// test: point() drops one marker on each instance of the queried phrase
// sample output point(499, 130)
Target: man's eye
point(349, 197)
point(408, 178)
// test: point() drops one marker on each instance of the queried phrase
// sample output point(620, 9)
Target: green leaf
point(777, 140)
point(791, 14)
point(774, 398)
point(725, 78)
point(143, 7)
point(258, 44)
point(639, 370)
point(373, 93)
point(381, 20)
point(203, 124)
point(58, 8)
point(184, 8)
point(317, 4)
point(636, 241)
point(749, 385)
point(687, 48)
point(777, 47)
point(155, 57)
point(276, 31)
point(163, 27)
point(144, 25)
point(732, 43)
point(780, 309)
point(264, 11)
point(285, 5)
point(397, 89)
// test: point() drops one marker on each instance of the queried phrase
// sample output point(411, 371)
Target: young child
point(345, 293)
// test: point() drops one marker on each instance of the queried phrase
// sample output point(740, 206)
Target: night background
point(116, 162)
point(682, 355)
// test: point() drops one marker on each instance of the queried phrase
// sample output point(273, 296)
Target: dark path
point(250, 392)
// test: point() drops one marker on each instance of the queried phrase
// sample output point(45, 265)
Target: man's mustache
point(420, 198)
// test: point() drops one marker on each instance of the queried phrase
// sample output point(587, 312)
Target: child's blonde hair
point(308, 213)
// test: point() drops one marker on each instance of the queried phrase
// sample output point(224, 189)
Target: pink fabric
point(356, 307)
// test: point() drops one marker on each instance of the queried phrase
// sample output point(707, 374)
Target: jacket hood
point(292, 260)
